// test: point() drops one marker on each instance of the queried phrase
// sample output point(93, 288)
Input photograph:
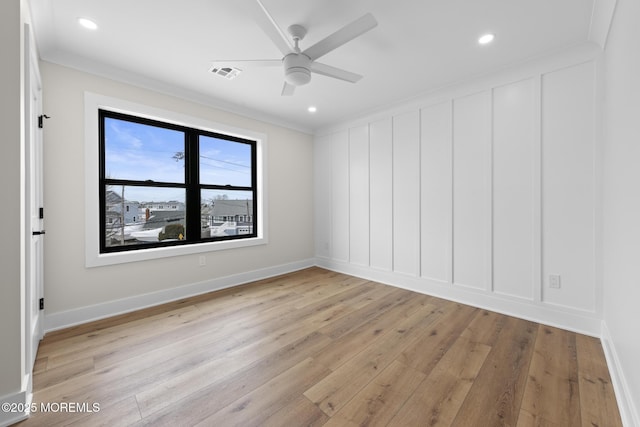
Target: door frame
point(33, 170)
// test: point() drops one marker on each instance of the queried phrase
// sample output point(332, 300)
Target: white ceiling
point(418, 46)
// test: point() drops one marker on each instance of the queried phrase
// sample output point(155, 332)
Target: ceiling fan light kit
point(298, 65)
point(296, 69)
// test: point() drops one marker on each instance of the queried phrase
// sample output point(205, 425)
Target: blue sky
point(136, 151)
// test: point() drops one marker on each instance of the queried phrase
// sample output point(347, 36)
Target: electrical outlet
point(202, 261)
point(554, 281)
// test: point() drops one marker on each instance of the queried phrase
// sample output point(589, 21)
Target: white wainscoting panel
point(568, 123)
point(513, 191)
point(381, 194)
point(322, 196)
point(436, 192)
point(359, 195)
point(340, 196)
point(476, 193)
point(471, 190)
point(406, 193)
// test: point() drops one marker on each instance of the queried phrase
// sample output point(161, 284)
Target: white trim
point(626, 406)
point(120, 75)
point(598, 179)
point(569, 319)
point(22, 399)
point(537, 196)
point(564, 58)
point(93, 257)
point(601, 18)
point(65, 319)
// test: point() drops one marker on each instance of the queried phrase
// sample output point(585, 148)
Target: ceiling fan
point(299, 64)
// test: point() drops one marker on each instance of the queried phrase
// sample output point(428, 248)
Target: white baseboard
point(65, 319)
point(20, 400)
point(628, 411)
point(565, 318)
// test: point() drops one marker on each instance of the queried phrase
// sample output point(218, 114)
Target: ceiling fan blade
point(342, 36)
point(288, 89)
point(269, 26)
point(336, 73)
point(243, 63)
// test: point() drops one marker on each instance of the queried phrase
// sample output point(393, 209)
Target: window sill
point(99, 260)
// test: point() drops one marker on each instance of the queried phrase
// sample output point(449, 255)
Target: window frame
point(95, 256)
point(192, 183)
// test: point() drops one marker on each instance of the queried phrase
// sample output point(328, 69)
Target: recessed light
point(87, 23)
point(486, 39)
point(312, 109)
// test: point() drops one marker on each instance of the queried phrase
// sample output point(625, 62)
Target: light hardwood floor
point(316, 348)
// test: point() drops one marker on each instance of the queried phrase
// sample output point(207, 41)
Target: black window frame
point(191, 185)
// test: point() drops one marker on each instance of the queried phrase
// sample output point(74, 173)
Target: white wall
point(477, 193)
point(515, 162)
point(74, 291)
point(405, 164)
point(622, 206)
point(471, 167)
point(359, 195)
point(381, 195)
point(340, 195)
point(436, 193)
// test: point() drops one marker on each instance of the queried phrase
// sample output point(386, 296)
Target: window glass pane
point(224, 162)
point(141, 215)
point(139, 152)
point(226, 213)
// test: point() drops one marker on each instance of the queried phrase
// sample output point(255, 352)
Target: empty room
point(304, 213)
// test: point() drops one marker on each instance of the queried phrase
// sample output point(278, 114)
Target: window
point(172, 186)
point(163, 184)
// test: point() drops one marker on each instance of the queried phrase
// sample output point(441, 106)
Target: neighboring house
point(232, 210)
point(229, 217)
point(164, 206)
point(115, 206)
point(222, 217)
point(159, 214)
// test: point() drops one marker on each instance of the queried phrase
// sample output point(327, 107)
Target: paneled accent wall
point(322, 180)
point(568, 185)
point(359, 195)
point(406, 193)
point(516, 197)
point(381, 195)
point(471, 145)
point(436, 195)
point(340, 230)
point(477, 197)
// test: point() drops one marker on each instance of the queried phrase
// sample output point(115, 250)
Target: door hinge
point(41, 120)
point(41, 213)
point(41, 303)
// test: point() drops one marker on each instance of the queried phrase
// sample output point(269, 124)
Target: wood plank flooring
point(315, 348)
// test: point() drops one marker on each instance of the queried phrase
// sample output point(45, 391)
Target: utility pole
point(122, 218)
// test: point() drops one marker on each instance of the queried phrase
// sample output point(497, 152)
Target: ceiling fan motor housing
point(296, 69)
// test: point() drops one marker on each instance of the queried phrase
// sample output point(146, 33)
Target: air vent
point(228, 73)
